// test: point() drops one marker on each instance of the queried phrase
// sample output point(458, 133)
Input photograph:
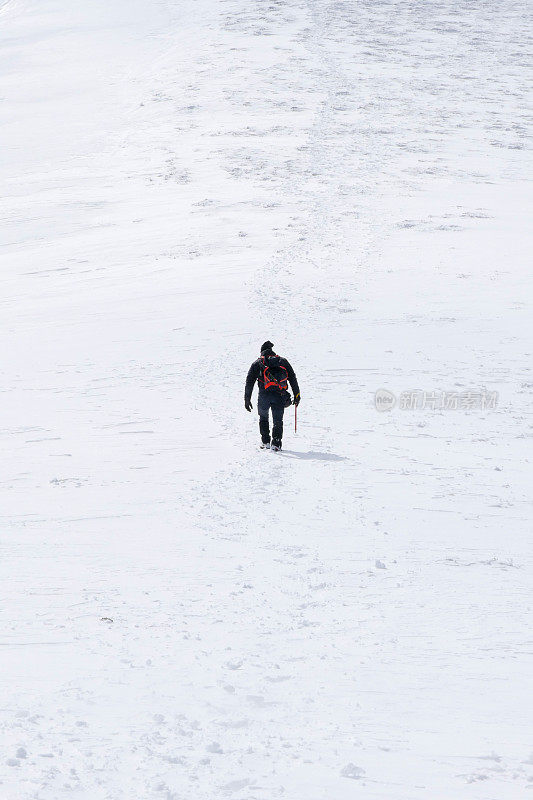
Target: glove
point(248, 405)
point(297, 399)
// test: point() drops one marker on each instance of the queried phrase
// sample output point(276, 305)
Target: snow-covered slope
point(183, 616)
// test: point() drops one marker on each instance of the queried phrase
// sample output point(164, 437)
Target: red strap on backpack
point(272, 382)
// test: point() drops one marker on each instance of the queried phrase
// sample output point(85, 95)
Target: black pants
point(265, 402)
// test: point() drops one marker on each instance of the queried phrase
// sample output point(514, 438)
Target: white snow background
point(182, 615)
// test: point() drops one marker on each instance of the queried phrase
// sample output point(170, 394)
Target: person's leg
point(263, 406)
point(278, 407)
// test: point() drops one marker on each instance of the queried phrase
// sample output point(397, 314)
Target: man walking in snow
point(272, 373)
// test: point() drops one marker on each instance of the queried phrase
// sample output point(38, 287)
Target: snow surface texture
point(185, 616)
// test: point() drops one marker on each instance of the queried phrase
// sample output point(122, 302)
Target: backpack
point(275, 376)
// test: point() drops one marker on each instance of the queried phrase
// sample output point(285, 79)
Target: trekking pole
point(295, 425)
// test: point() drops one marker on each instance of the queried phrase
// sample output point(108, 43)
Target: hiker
point(272, 373)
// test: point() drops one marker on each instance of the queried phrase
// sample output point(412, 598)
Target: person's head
point(267, 348)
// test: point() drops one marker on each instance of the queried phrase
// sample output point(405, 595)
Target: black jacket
point(255, 373)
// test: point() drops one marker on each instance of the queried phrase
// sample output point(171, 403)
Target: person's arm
point(293, 382)
point(253, 374)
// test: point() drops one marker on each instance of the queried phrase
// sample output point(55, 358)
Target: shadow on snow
point(314, 456)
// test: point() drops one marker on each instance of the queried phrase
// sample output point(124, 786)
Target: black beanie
point(266, 346)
